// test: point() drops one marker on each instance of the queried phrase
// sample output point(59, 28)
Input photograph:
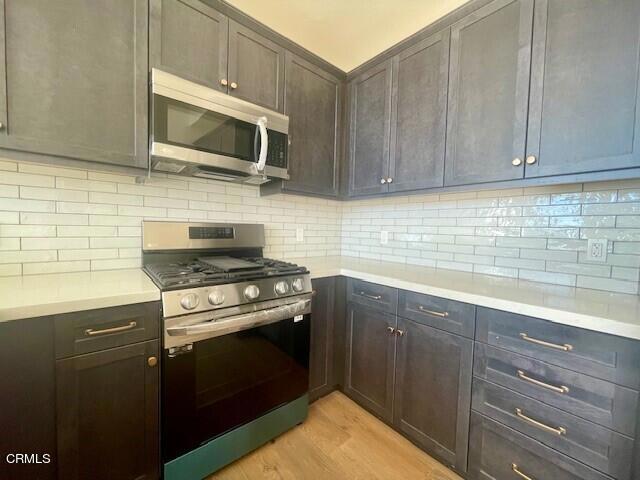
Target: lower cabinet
point(321, 366)
point(433, 390)
point(107, 414)
point(28, 398)
point(414, 376)
point(370, 359)
point(502, 453)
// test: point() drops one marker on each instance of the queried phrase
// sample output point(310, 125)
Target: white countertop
point(35, 296)
point(613, 313)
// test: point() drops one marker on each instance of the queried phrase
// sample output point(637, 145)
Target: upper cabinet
point(488, 93)
point(370, 117)
point(194, 41)
point(312, 102)
point(534, 88)
point(73, 79)
point(190, 39)
point(256, 68)
point(585, 110)
point(398, 120)
point(418, 115)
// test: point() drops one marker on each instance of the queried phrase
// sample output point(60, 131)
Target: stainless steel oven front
point(222, 369)
point(198, 131)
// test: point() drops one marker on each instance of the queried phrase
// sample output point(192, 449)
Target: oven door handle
point(245, 321)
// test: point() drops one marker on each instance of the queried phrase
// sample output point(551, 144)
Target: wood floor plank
point(339, 441)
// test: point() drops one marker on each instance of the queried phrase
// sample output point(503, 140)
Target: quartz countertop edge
point(612, 313)
point(33, 296)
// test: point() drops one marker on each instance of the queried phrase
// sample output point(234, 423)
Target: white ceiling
point(346, 33)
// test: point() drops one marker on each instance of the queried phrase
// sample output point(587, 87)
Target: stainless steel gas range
point(236, 342)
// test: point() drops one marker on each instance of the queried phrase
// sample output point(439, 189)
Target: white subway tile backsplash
point(20, 205)
point(9, 217)
point(55, 267)
point(27, 218)
point(53, 243)
point(55, 219)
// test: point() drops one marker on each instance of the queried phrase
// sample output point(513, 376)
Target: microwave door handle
point(264, 144)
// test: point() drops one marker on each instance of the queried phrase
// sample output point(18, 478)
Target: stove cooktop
point(218, 270)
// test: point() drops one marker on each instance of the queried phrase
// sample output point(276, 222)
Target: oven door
point(217, 384)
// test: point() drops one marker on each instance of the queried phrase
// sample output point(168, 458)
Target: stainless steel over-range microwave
point(198, 131)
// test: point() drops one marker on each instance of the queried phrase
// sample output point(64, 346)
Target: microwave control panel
point(277, 151)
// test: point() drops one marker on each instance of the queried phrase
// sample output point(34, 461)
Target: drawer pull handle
point(540, 425)
point(372, 297)
point(433, 312)
point(91, 332)
point(560, 389)
point(565, 347)
point(517, 471)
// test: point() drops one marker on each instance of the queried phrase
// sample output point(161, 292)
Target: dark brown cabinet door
point(370, 359)
point(107, 414)
point(312, 102)
point(489, 93)
point(585, 105)
point(419, 113)
point(370, 118)
point(73, 79)
point(256, 68)
point(189, 38)
point(27, 398)
point(321, 378)
point(433, 390)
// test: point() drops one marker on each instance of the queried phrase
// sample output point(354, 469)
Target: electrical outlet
point(299, 234)
point(597, 249)
point(384, 237)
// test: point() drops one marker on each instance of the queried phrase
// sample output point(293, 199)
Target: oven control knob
point(251, 292)
point(190, 301)
point(297, 284)
point(281, 287)
point(216, 297)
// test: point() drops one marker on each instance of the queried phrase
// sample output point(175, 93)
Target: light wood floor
point(339, 441)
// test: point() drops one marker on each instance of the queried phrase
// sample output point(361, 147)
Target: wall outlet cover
point(384, 237)
point(597, 250)
point(299, 234)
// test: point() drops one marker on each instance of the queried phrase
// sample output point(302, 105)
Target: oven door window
point(231, 380)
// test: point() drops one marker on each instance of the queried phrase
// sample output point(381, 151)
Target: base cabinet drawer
point(448, 315)
point(94, 330)
point(372, 295)
point(592, 399)
point(500, 453)
point(599, 355)
point(596, 446)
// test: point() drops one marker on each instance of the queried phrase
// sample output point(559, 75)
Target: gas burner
point(208, 271)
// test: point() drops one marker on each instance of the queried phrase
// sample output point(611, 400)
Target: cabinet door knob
point(400, 333)
point(389, 180)
point(383, 181)
point(516, 162)
point(233, 85)
point(531, 159)
point(1, 126)
point(224, 82)
point(391, 330)
point(152, 361)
